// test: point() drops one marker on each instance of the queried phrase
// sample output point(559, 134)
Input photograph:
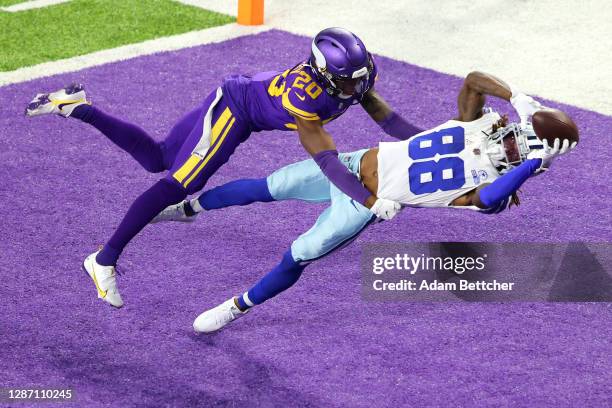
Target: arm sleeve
point(497, 193)
point(342, 178)
point(394, 125)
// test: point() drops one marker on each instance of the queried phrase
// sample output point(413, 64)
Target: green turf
point(83, 26)
point(10, 2)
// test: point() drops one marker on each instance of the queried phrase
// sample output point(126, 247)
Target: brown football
point(551, 124)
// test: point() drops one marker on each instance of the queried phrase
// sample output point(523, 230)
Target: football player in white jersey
point(476, 161)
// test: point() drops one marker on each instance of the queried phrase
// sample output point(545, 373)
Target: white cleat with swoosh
point(104, 279)
point(60, 102)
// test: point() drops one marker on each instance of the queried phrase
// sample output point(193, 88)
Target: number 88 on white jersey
point(436, 166)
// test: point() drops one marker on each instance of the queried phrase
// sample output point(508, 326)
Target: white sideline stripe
point(570, 65)
point(556, 49)
point(175, 42)
point(34, 4)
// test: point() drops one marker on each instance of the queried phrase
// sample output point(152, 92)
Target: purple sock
point(81, 112)
point(143, 210)
point(127, 136)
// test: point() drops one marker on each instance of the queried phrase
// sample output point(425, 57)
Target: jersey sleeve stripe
point(295, 110)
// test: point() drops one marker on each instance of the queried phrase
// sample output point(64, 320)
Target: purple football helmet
point(342, 63)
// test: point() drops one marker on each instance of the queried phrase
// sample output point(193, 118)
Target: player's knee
point(149, 154)
point(277, 185)
point(156, 164)
point(305, 250)
point(154, 167)
point(174, 191)
point(303, 180)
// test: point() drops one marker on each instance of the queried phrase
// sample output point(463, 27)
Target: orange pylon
point(250, 12)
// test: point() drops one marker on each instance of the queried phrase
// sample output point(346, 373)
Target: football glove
point(385, 209)
point(525, 106)
point(548, 154)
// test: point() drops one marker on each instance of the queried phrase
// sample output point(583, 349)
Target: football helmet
point(509, 146)
point(341, 63)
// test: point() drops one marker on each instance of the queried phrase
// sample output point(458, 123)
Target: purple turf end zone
point(65, 188)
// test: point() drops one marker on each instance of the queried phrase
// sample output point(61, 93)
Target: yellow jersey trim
point(220, 124)
point(211, 153)
point(297, 111)
point(186, 168)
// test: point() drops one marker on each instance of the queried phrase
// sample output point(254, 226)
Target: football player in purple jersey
point(339, 73)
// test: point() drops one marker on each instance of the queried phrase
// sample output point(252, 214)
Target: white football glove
point(548, 154)
point(525, 106)
point(385, 209)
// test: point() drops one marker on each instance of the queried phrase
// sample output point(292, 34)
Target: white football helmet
point(509, 146)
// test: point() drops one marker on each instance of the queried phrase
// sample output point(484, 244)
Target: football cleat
point(218, 317)
point(104, 279)
point(174, 212)
point(61, 102)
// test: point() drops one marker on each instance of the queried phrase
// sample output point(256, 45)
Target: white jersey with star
point(434, 167)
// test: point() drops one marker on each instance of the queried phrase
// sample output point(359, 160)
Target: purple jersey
point(270, 100)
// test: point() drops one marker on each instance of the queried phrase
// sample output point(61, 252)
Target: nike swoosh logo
point(100, 291)
point(61, 105)
point(303, 98)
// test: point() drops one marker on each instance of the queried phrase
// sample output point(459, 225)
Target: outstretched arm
point(477, 85)
point(392, 123)
point(495, 196)
point(473, 93)
point(320, 145)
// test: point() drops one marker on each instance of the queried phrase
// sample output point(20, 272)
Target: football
point(551, 124)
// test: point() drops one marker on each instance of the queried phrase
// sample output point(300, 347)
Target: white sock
point(246, 299)
point(196, 206)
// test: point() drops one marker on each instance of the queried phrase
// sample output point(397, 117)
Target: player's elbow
point(473, 78)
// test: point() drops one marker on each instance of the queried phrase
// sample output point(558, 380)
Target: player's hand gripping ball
point(551, 124)
point(548, 153)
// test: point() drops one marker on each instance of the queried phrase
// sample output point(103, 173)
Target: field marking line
point(171, 43)
point(30, 5)
point(550, 48)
